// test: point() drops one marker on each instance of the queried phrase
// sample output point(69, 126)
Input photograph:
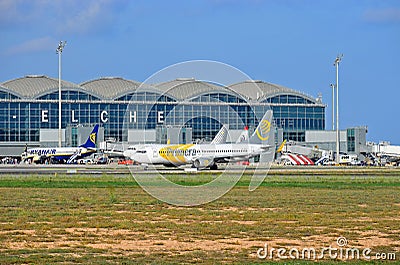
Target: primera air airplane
point(63, 154)
point(203, 156)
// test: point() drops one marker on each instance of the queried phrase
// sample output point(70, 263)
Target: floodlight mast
point(333, 106)
point(336, 63)
point(59, 52)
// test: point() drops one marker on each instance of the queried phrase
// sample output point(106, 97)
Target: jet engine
point(201, 163)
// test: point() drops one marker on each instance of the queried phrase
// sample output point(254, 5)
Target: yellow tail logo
point(92, 138)
point(280, 148)
point(263, 130)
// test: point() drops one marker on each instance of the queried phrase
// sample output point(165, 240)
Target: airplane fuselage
point(203, 154)
point(63, 154)
point(57, 153)
point(208, 155)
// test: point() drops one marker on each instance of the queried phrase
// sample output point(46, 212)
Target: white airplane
point(62, 154)
point(203, 156)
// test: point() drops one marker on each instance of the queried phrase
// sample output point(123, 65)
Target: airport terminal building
point(125, 109)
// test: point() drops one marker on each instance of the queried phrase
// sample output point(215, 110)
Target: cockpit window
point(141, 151)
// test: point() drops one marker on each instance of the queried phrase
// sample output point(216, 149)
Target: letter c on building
point(104, 116)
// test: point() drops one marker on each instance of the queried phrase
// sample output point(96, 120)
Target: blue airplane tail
point(91, 141)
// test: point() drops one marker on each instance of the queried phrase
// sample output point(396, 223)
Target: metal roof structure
point(32, 86)
point(110, 88)
point(257, 90)
point(187, 88)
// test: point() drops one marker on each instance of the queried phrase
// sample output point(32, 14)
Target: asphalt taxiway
point(114, 169)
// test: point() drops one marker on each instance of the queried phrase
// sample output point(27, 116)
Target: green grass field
point(105, 219)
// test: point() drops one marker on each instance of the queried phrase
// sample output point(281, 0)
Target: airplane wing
point(232, 159)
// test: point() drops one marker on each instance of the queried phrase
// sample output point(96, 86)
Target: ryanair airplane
point(63, 154)
point(203, 156)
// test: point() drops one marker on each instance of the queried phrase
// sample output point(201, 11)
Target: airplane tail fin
point(265, 136)
point(220, 138)
point(264, 133)
point(280, 148)
point(244, 136)
point(91, 141)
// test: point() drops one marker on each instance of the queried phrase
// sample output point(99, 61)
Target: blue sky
point(286, 42)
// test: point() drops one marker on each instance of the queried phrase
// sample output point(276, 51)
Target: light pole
point(333, 106)
point(59, 52)
point(336, 63)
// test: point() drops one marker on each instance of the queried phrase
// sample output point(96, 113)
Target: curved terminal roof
point(4, 89)
point(257, 90)
point(32, 86)
point(187, 88)
point(110, 87)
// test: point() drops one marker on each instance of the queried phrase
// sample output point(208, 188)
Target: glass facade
point(22, 118)
point(351, 140)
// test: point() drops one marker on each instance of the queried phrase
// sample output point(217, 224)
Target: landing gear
point(214, 167)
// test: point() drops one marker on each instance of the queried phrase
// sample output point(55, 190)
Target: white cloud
point(88, 18)
point(9, 12)
point(34, 45)
point(383, 15)
point(63, 17)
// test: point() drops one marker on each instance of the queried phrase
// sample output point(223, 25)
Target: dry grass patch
point(125, 225)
